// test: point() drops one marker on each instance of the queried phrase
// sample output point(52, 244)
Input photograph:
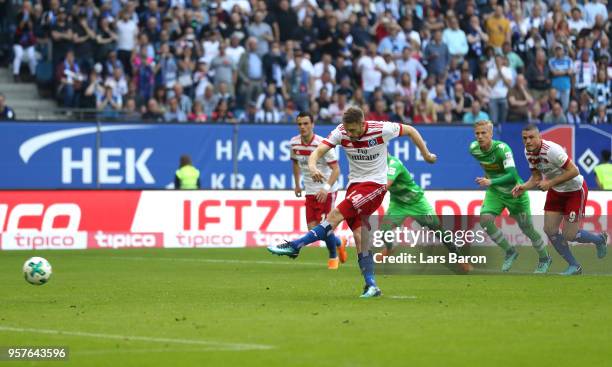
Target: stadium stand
point(421, 61)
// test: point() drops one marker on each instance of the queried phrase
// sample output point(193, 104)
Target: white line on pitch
point(91, 352)
point(216, 345)
point(402, 297)
point(220, 261)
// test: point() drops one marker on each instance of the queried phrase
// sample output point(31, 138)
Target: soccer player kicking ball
point(553, 171)
point(320, 196)
point(365, 144)
point(407, 200)
point(496, 159)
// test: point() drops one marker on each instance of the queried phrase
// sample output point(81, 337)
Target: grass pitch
point(244, 307)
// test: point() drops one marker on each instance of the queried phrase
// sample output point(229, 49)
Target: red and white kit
point(367, 156)
point(300, 151)
point(568, 197)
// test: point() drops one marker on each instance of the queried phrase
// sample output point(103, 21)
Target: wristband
point(326, 187)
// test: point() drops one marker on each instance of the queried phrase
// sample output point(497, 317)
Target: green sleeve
point(510, 177)
point(394, 170)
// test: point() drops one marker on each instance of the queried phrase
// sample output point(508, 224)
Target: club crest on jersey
point(372, 142)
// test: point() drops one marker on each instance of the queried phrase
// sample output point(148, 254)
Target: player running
point(407, 200)
point(553, 171)
point(497, 160)
point(365, 144)
point(320, 196)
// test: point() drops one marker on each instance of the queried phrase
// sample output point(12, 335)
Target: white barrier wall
point(187, 219)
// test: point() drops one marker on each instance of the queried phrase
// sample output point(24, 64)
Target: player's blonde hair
point(352, 115)
point(486, 123)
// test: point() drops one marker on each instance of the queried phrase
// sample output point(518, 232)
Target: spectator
point(61, 36)
point(130, 112)
point(424, 109)
point(235, 50)
point(127, 33)
point(223, 69)
point(399, 113)
point(556, 115)
point(83, 41)
point(276, 96)
point(445, 115)
point(152, 112)
point(6, 113)
point(106, 39)
point(514, 60)
point(274, 63)
point(184, 102)
point(437, 55)
point(144, 77)
point(70, 77)
point(538, 75)
point(369, 66)
point(475, 114)
point(603, 171)
point(299, 83)
point(577, 23)
point(585, 73)
point(380, 111)
point(118, 82)
point(200, 79)
point(389, 75)
point(174, 112)
point(336, 109)
point(187, 177)
point(167, 67)
point(248, 116)
point(109, 103)
point(411, 65)
point(500, 80)
point(573, 117)
point(197, 113)
point(455, 39)
point(286, 22)
point(498, 28)
point(476, 38)
point(324, 65)
point(561, 69)
point(269, 113)
point(602, 91)
point(222, 113)
point(519, 100)
point(601, 116)
point(462, 102)
point(209, 100)
point(24, 41)
point(394, 43)
point(593, 8)
point(250, 72)
point(262, 32)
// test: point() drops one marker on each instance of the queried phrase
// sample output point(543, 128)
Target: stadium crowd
point(257, 61)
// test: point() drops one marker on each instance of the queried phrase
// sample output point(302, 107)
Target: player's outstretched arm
point(417, 139)
point(317, 176)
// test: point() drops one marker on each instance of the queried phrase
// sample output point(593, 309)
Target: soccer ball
point(37, 271)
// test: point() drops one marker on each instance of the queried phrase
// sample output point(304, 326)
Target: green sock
point(497, 236)
point(526, 225)
point(536, 241)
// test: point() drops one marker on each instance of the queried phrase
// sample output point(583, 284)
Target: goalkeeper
point(496, 159)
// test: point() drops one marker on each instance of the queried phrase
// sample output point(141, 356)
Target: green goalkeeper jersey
point(498, 164)
point(403, 190)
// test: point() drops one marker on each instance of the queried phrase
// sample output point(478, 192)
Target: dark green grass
point(306, 314)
